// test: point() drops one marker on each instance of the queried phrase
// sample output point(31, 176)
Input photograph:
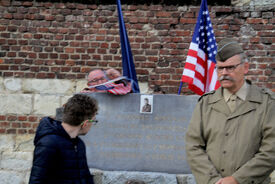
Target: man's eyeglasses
point(96, 80)
point(93, 121)
point(229, 68)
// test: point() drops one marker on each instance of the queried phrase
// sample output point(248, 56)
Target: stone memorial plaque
point(128, 139)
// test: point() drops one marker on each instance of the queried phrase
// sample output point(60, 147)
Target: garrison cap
point(227, 48)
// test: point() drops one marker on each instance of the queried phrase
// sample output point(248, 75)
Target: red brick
point(5, 124)
point(19, 74)
point(44, 69)
point(11, 54)
point(29, 75)
point(70, 63)
point(16, 125)
point(64, 56)
point(43, 55)
point(94, 44)
point(254, 20)
point(22, 54)
point(41, 75)
point(85, 69)
point(153, 59)
point(22, 118)
point(65, 69)
point(55, 69)
point(4, 67)
point(151, 52)
point(75, 69)
point(100, 38)
point(2, 130)
point(11, 131)
point(27, 35)
point(266, 33)
point(101, 64)
point(2, 118)
point(79, 37)
point(69, 50)
point(90, 63)
point(34, 69)
point(11, 118)
point(254, 40)
point(60, 62)
point(51, 75)
point(18, 16)
point(75, 57)
point(59, 37)
point(22, 131)
point(49, 17)
point(101, 51)
point(96, 57)
point(14, 67)
point(188, 20)
point(26, 125)
point(85, 57)
point(8, 74)
point(31, 131)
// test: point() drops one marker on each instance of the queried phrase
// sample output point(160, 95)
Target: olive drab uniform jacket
point(239, 144)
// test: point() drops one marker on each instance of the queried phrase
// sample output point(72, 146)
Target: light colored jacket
point(239, 144)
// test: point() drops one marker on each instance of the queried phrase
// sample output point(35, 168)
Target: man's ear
point(83, 124)
point(246, 67)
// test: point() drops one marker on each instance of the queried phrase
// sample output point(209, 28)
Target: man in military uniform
point(231, 136)
point(146, 107)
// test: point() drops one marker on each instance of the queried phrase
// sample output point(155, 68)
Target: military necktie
point(232, 103)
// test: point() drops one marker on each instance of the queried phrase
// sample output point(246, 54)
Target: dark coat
point(57, 157)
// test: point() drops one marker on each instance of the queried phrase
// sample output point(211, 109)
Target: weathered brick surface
point(18, 124)
point(66, 40)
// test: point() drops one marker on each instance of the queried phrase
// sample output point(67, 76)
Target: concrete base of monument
point(120, 177)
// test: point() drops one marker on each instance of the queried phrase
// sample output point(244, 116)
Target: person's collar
point(226, 94)
point(241, 93)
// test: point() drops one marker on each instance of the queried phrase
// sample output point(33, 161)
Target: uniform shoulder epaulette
point(205, 94)
point(269, 92)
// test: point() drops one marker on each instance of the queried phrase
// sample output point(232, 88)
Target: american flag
point(119, 86)
point(120, 89)
point(199, 71)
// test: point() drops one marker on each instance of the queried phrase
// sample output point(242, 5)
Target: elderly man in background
point(96, 77)
point(109, 81)
point(231, 136)
point(112, 74)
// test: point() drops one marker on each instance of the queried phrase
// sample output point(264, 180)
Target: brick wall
point(18, 124)
point(46, 40)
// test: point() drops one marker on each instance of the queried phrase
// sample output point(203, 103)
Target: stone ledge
point(120, 177)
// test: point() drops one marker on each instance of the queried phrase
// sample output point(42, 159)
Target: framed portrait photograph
point(146, 104)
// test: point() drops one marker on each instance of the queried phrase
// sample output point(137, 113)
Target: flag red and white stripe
point(120, 89)
point(118, 86)
point(199, 71)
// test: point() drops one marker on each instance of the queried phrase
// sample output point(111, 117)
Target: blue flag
point(129, 70)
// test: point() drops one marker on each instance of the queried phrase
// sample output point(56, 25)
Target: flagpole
point(181, 83)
